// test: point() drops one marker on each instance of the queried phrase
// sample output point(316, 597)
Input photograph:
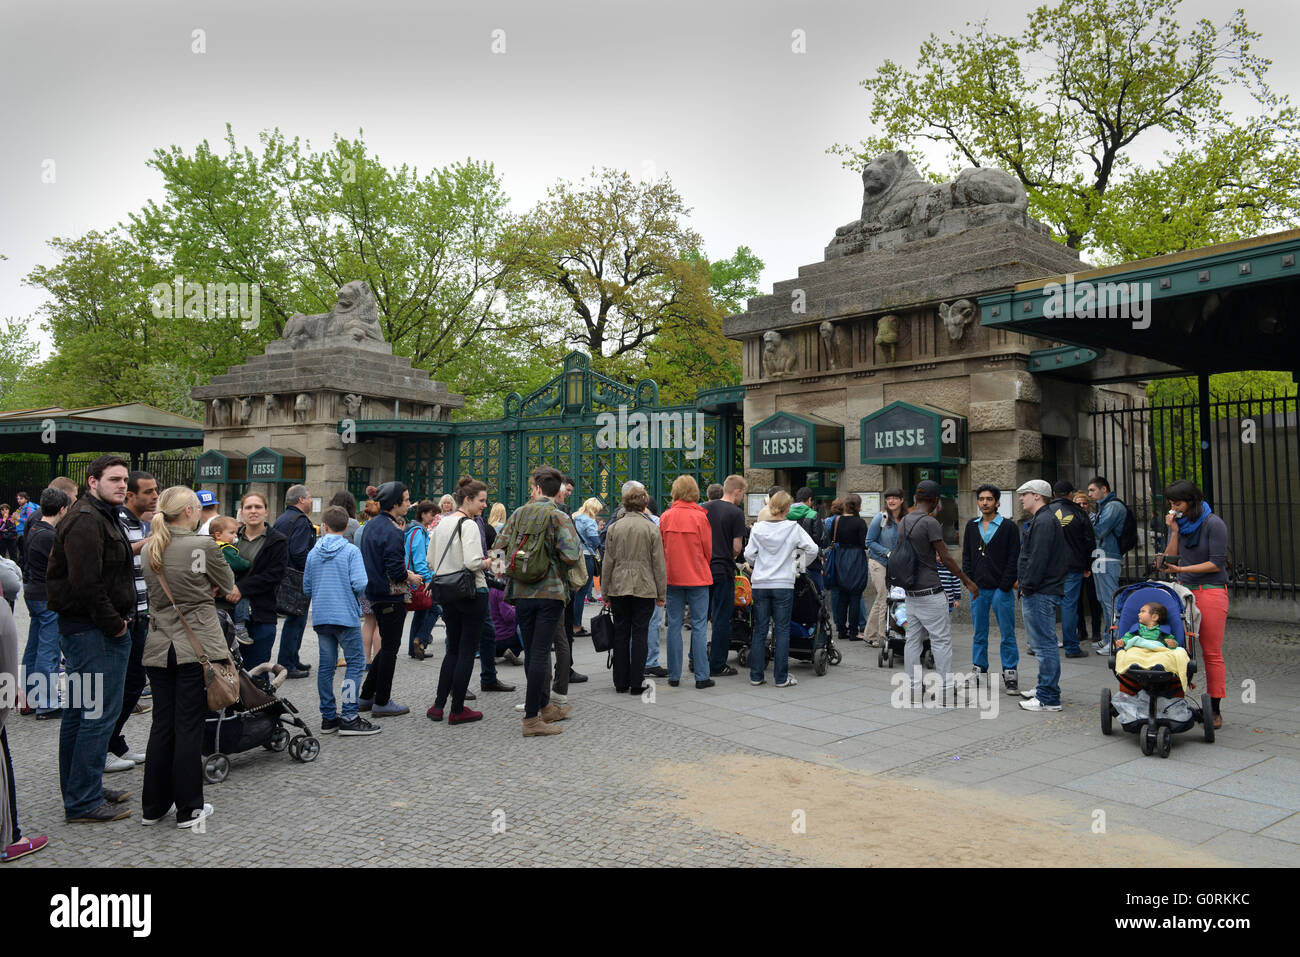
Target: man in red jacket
point(688, 549)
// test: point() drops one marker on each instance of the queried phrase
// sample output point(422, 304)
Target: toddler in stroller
point(1154, 662)
point(260, 717)
point(896, 632)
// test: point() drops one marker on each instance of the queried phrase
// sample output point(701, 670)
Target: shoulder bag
point(830, 566)
point(289, 598)
point(418, 599)
point(220, 678)
point(452, 586)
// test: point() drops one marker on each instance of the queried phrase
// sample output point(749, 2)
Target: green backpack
point(527, 557)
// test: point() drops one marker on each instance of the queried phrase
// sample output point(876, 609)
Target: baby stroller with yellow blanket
point(1152, 701)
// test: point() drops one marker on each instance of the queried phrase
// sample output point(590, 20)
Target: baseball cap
point(1037, 486)
point(207, 498)
point(928, 489)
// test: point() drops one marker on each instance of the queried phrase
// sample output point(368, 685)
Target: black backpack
point(901, 570)
point(1128, 536)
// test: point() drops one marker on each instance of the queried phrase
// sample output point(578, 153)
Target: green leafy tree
point(1064, 105)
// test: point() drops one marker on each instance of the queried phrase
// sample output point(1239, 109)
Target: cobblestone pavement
point(427, 794)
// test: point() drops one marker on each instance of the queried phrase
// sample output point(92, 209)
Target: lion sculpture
point(355, 316)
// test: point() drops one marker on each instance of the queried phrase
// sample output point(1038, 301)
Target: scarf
point(1189, 532)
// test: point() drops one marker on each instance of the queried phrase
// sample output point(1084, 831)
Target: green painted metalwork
point(568, 423)
point(1061, 357)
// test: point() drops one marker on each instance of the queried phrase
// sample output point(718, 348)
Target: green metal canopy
point(904, 433)
point(1222, 308)
point(796, 440)
point(126, 427)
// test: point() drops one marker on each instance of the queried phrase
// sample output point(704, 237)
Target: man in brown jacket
point(90, 582)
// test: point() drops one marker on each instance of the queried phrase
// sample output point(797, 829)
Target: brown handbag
point(220, 678)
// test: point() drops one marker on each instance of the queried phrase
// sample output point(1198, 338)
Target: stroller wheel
point(1105, 711)
point(304, 748)
point(928, 660)
point(835, 657)
point(1164, 741)
point(279, 739)
point(742, 655)
point(892, 657)
point(1207, 718)
point(819, 661)
point(216, 768)
point(1147, 738)
point(882, 658)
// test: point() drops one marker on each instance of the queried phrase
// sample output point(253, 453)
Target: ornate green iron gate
point(599, 431)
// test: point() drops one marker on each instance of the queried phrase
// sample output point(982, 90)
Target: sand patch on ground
point(867, 820)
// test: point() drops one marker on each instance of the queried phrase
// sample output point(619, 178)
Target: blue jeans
point(332, 638)
point(240, 615)
point(1070, 611)
point(652, 638)
point(1107, 582)
point(722, 607)
point(1040, 622)
point(41, 657)
point(259, 652)
point(698, 597)
point(422, 623)
point(1003, 603)
point(839, 607)
point(96, 675)
point(291, 641)
point(772, 605)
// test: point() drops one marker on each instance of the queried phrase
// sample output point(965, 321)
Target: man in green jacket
point(803, 512)
point(540, 603)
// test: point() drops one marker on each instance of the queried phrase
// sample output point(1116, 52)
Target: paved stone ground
point(422, 793)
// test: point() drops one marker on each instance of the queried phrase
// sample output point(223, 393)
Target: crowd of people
point(138, 593)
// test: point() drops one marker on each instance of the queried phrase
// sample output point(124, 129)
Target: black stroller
point(811, 635)
point(1145, 703)
point(896, 632)
point(260, 717)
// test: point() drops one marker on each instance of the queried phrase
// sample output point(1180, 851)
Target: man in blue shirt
point(989, 555)
point(1111, 514)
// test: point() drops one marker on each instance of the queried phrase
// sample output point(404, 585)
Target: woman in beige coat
point(633, 579)
point(193, 566)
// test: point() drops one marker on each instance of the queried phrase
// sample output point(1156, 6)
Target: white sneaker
point(1030, 693)
point(521, 707)
point(789, 682)
point(113, 763)
point(151, 821)
point(559, 698)
point(134, 756)
point(205, 813)
point(1060, 642)
point(1033, 704)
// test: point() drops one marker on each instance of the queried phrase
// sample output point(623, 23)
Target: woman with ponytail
point(181, 570)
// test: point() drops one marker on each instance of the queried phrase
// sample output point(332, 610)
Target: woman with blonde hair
point(688, 550)
point(773, 549)
point(497, 517)
point(584, 520)
point(181, 570)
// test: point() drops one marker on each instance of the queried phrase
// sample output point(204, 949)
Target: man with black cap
point(1079, 543)
point(927, 604)
point(1041, 571)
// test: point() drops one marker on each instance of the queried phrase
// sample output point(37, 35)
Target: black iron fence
point(1253, 459)
point(30, 474)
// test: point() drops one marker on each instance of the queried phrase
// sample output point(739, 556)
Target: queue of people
point(125, 584)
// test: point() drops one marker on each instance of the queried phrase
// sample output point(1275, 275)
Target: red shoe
point(24, 710)
point(435, 714)
point(28, 845)
point(464, 715)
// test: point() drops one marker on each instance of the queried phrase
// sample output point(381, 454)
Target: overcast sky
point(707, 91)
